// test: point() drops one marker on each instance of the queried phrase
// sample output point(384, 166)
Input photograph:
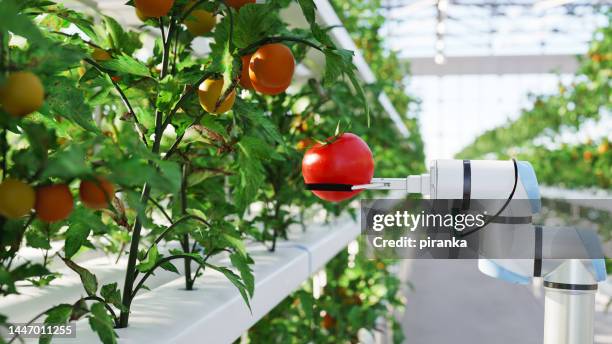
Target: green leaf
point(235, 280)
point(236, 243)
point(66, 100)
point(58, 315)
point(308, 8)
point(102, 323)
point(168, 93)
point(20, 24)
point(125, 64)
point(251, 173)
point(68, 163)
point(168, 266)
point(111, 294)
point(79, 309)
point(258, 118)
point(242, 264)
point(76, 18)
point(76, 236)
point(37, 239)
point(89, 280)
point(119, 39)
point(149, 261)
point(254, 23)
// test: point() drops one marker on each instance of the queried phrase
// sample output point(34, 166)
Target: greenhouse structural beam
point(481, 65)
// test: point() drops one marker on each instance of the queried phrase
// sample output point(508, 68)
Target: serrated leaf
point(149, 261)
point(58, 315)
point(168, 93)
point(20, 24)
point(76, 236)
point(253, 23)
point(111, 294)
point(67, 163)
point(126, 42)
point(246, 273)
point(308, 8)
point(101, 323)
point(89, 280)
point(125, 64)
point(257, 117)
point(168, 266)
point(67, 101)
point(235, 280)
point(236, 243)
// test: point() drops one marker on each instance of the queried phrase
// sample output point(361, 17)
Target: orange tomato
point(587, 156)
point(245, 79)
point(271, 68)
point(328, 322)
point(53, 202)
point(153, 8)
point(96, 194)
point(239, 3)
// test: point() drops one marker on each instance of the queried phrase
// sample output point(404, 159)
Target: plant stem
point(131, 272)
point(188, 91)
point(171, 227)
point(158, 264)
point(106, 305)
point(4, 150)
point(185, 239)
point(123, 97)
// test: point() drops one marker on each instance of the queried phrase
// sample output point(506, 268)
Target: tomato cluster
point(53, 202)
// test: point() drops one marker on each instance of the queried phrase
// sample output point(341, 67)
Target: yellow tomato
point(209, 93)
point(16, 198)
point(22, 94)
point(200, 22)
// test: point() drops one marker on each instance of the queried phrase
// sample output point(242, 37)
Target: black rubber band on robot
point(329, 187)
point(537, 255)
point(509, 220)
point(467, 184)
point(516, 176)
point(566, 286)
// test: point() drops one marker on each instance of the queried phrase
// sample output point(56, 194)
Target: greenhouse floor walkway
point(452, 302)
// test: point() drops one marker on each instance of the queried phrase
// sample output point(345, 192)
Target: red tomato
point(347, 160)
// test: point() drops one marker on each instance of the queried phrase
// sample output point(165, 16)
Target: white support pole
point(568, 316)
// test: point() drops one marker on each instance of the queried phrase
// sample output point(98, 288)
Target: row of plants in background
point(360, 292)
point(535, 135)
point(174, 148)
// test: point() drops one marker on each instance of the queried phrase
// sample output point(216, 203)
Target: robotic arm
point(570, 284)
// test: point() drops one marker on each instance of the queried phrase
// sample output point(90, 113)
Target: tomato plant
point(160, 149)
point(585, 98)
